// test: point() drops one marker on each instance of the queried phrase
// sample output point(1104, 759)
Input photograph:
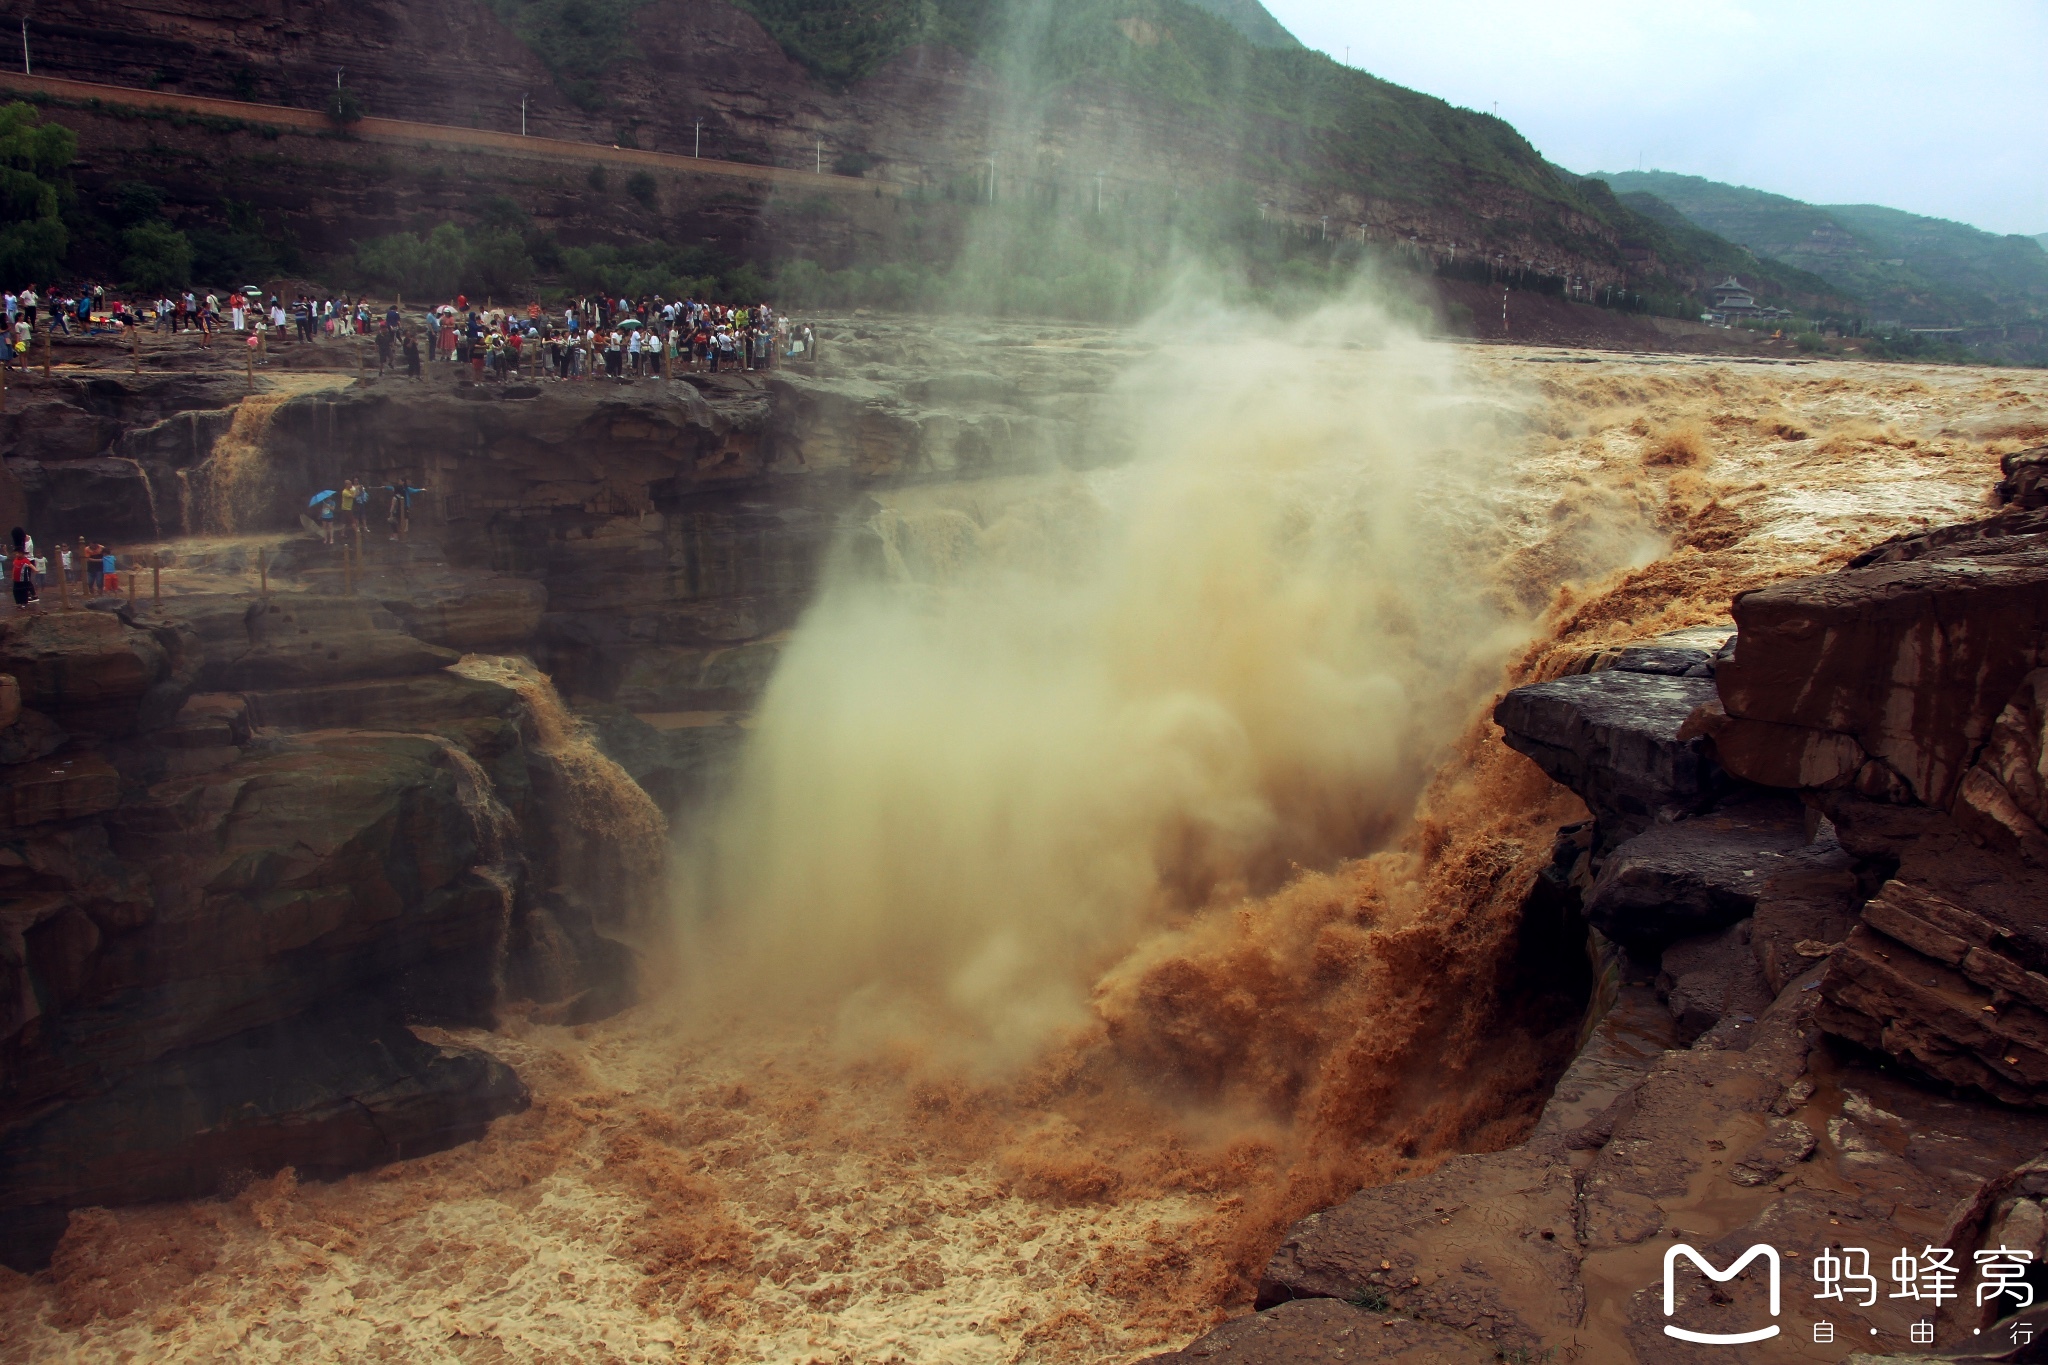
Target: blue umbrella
point(319, 498)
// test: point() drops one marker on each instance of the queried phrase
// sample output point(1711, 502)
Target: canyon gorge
point(1016, 841)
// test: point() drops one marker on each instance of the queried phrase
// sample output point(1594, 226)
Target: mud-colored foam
point(777, 1176)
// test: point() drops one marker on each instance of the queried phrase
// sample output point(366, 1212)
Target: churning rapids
point(1121, 868)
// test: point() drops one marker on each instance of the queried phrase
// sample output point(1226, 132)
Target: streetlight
point(698, 150)
point(337, 77)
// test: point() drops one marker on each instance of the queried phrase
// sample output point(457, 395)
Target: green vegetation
point(1372, 1299)
point(33, 188)
point(1923, 271)
point(1250, 18)
point(641, 186)
point(491, 262)
point(577, 40)
point(158, 257)
point(1042, 257)
point(1688, 250)
point(344, 107)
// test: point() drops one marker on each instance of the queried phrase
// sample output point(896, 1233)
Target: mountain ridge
point(1919, 270)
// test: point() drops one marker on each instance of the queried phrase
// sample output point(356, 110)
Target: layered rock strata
point(215, 926)
point(1826, 876)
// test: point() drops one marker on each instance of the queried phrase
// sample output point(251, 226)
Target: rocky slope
point(1139, 106)
point(1815, 878)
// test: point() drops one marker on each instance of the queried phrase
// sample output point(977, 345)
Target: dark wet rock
point(1327, 1332)
point(1698, 875)
point(2003, 800)
point(679, 765)
point(1713, 977)
point(2008, 532)
point(1773, 755)
point(422, 701)
point(1464, 1247)
point(1804, 912)
point(1914, 660)
point(717, 678)
point(329, 872)
point(303, 641)
point(68, 784)
point(32, 735)
point(325, 1092)
point(88, 671)
point(2025, 485)
point(1688, 653)
point(1784, 1144)
point(1613, 737)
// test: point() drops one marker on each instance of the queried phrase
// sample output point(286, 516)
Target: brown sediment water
point(614, 830)
point(237, 482)
point(826, 1152)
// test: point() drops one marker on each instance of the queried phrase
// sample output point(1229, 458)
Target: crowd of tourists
point(607, 338)
point(87, 567)
point(349, 509)
point(588, 338)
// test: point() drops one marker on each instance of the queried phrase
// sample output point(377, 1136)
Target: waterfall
point(237, 484)
point(613, 839)
point(496, 831)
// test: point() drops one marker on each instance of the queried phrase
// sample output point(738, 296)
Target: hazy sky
point(1936, 106)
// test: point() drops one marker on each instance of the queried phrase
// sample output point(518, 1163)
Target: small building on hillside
point(1731, 298)
point(1734, 298)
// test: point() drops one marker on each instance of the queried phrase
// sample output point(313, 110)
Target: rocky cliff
point(257, 827)
point(1329, 151)
point(1815, 882)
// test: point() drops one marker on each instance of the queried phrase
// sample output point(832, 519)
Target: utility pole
point(698, 150)
point(24, 49)
point(1326, 227)
point(1098, 193)
point(522, 116)
point(991, 180)
point(819, 167)
point(337, 77)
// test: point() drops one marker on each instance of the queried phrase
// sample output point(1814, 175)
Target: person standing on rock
point(412, 356)
point(21, 571)
point(95, 569)
point(402, 494)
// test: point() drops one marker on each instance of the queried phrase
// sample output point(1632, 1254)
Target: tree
point(159, 257)
point(498, 264)
point(344, 107)
point(642, 187)
point(33, 155)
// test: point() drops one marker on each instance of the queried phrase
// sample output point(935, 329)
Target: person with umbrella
point(324, 500)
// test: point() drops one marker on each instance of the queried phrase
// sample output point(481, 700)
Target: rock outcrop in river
point(1815, 876)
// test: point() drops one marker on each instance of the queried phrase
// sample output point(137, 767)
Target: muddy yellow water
point(758, 1182)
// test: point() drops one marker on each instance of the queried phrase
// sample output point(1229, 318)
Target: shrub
point(158, 257)
point(641, 186)
point(344, 107)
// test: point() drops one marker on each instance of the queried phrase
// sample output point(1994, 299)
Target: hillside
point(1053, 156)
point(1706, 259)
point(1921, 271)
